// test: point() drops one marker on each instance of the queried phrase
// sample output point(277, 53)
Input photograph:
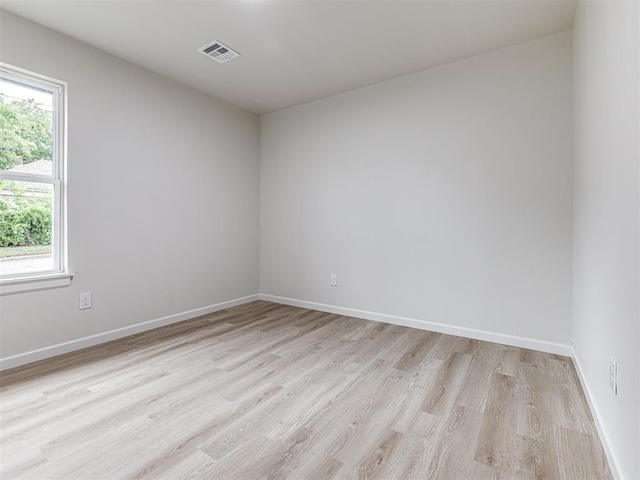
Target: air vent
point(218, 51)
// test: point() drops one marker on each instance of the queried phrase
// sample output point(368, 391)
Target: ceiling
point(296, 51)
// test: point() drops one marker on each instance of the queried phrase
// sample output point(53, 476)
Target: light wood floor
point(269, 391)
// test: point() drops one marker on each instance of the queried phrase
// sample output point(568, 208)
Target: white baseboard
point(514, 341)
point(66, 347)
point(614, 463)
point(70, 346)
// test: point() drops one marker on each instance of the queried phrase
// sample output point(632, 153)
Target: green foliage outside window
point(25, 133)
point(25, 220)
point(25, 136)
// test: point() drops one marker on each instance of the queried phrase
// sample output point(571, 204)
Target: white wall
point(442, 196)
point(606, 226)
point(162, 189)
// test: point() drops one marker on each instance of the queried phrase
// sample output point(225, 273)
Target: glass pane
point(26, 128)
point(26, 227)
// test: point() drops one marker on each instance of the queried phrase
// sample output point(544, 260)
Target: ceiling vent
point(218, 51)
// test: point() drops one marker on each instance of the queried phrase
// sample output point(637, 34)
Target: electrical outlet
point(613, 375)
point(334, 279)
point(85, 300)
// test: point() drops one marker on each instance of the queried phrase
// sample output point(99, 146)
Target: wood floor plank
point(415, 355)
point(446, 386)
point(194, 464)
point(409, 400)
point(416, 448)
point(270, 391)
point(455, 442)
point(475, 386)
point(509, 362)
point(497, 443)
point(566, 397)
point(577, 457)
point(380, 455)
point(535, 431)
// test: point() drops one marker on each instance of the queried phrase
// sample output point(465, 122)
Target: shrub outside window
point(32, 189)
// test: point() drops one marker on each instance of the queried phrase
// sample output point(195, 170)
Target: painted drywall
point(442, 196)
point(606, 242)
point(162, 195)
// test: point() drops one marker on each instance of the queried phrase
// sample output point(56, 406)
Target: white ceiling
point(296, 51)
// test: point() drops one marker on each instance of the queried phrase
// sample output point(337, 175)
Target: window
point(32, 190)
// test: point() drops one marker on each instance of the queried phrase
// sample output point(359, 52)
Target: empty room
point(318, 239)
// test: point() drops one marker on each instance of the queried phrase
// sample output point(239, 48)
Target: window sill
point(33, 283)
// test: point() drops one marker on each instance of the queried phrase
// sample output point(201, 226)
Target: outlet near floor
point(85, 300)
point(613, 375)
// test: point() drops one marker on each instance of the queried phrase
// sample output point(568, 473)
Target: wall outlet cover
point(85, 300)
point(613, 375)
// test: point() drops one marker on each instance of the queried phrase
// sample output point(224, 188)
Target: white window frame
point(59, 275)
